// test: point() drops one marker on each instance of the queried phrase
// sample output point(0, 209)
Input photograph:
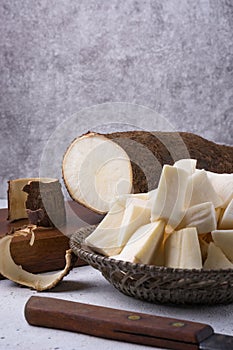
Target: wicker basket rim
point(77, 246)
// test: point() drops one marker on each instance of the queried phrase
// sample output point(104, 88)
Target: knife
point(124, 325)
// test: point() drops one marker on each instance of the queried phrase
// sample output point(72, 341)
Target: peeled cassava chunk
point(143, 244)
point(104, 239)
point(97, 167)
point(224, 240)
point(188, 165)
point(202, 216)
point(226, 220)
point(182, 249)
point(95, 171)
point(137, 213)
point(169, 203)
point(145, 196)
point(223, 186)
point(15, 273)
point(216, 259)
point(202, 190)
point(125, 216)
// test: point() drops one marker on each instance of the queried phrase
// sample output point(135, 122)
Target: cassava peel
point(15, 273)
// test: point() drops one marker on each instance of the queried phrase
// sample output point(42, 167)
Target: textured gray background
point(59, 56)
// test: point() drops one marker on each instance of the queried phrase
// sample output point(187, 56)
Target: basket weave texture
point(157, 284)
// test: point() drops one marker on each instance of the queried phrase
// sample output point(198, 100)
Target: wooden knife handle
point(116, 324)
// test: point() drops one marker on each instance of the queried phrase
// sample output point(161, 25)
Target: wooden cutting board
point(48, 251)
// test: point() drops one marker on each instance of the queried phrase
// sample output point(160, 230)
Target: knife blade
point(124, 325)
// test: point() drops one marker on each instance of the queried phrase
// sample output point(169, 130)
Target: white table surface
point(85, 284)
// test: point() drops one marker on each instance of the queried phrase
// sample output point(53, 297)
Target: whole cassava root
point(167, 147)
point(96, 170)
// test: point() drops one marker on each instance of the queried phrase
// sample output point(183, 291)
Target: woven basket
point(158, 284)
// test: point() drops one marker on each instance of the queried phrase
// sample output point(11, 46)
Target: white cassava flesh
point(150, 251)
point(96, 171)
point(216, 259)
point(223, 186)
point(202, 216)
point(188, 165)
point(174, 225)
point(125, 216)
point(224, 240)
point(104, 239)
point(145, 196)
point(182, 249)
point(137, 213)
point(169, 203)
point(15, 273)
point(202, 190)
point(143, 244)
point(226, 220)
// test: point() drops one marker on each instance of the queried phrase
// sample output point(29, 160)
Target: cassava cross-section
point(96, 170)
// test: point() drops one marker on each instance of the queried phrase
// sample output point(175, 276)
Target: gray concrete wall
point(59, 56)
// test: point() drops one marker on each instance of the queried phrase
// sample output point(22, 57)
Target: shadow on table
point(70, 286)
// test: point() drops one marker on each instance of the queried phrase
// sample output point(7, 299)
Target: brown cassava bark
point(149, 151)
point(45, 203)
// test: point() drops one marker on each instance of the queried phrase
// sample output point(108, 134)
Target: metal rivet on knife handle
point(134, 317)
point(178, 324)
